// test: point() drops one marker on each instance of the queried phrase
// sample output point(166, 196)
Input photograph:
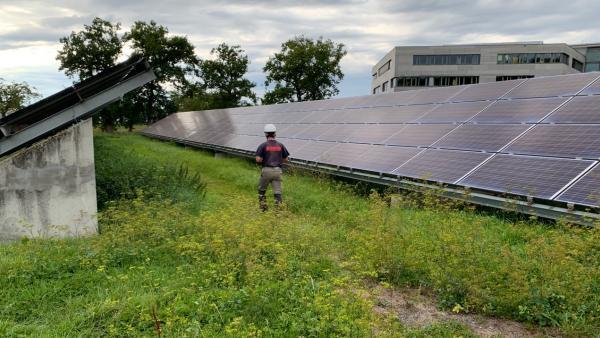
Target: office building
point(412, 67)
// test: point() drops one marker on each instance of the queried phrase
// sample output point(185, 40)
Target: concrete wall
point(49, 188)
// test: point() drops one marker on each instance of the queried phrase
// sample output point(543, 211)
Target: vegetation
point(99, 45)
point(172, 58)
point(304, 70)
point(215, 266)
point(14, 96)
point(224, 77)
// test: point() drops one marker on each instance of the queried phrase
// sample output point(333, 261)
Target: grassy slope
point(224, 269)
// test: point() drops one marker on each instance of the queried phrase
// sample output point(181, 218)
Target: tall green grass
point(218, 267)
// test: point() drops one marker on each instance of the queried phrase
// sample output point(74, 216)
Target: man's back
point(272, 153)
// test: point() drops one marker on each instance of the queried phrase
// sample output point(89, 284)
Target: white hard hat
point(270, 128)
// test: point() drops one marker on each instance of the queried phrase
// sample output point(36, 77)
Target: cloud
point(369, 29)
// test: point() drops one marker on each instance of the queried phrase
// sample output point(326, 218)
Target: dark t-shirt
point(272, 153)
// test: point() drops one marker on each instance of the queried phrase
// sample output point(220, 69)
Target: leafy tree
point(14, 96)
point(89, 52)
point(171, 57)
point(305, 69)
point(224, 77)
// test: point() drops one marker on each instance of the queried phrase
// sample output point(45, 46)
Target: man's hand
point(259, 159)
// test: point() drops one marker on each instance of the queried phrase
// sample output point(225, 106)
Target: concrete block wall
point(49, 188)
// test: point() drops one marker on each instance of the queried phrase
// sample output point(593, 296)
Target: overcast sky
point(29, 30)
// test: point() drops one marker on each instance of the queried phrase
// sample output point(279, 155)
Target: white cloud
point(29, 30)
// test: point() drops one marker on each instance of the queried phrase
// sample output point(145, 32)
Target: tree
point(14, 96)
point(89, 52)
point(224, 77)
point(305, 69)
point(172, 58)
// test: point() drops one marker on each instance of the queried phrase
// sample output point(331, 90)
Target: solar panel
point(581, 109)
point(564, 85)
point(593, 89)
point(420, 135)
point(292, 145)
point(576, 141)
point(585, 191)
point(434, 95)
point(529, 137)
point(484, 137)
point(312, 131)
point(486, 91)
point(393, 98)
point(335, 132)
point(343, 154)
point(312, 150)
point(319, 116)
point(201, 136)
point(445, 166)
point(383, 159)
point(221, 139)
point(525, 175)
point(518, 111)
point(372, 133)
point(245, 142)
point(453, 112)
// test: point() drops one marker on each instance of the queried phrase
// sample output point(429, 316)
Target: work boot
point(278, 200)
point(262, 201)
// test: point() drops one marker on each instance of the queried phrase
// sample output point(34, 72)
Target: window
point(374, 75)
point(384, 86)
point(384, 68)
point(422, 81)
point(578, 65)
point(512, 77)
point(376, 90)
point(443, 81)
point(524, 58)
point(409, 81)
point(447, 59)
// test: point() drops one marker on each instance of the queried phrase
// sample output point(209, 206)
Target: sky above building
point(30, 30)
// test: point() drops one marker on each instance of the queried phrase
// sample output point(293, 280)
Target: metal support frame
point(566, 213)
point(72, 114)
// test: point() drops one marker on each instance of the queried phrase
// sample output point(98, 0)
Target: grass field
point(184, 251)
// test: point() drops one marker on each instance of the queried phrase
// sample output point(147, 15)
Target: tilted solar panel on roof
point(593, 89)
point(312, 150)
point(373, 133)
point(343, 154)
point(483, 137)
point(525, 175)
point(514, 137)
point(581, 109)
point(486, 91)
point(383, 159)
point(419, 135)
point(454, 112)
point(563, 85)
point(444, 166)
point(585, 191)
point(518, 111)
point(566, 140)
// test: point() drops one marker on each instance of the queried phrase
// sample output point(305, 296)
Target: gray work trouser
point(270, 175)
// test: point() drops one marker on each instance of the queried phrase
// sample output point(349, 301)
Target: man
point(271, 155)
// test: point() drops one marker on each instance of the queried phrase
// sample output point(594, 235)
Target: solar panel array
point(536, 137)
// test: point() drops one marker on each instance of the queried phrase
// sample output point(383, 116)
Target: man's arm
point(260, 153)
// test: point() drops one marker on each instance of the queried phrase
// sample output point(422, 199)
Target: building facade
point(413, 67)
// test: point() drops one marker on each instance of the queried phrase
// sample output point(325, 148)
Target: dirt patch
point(415, 308)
